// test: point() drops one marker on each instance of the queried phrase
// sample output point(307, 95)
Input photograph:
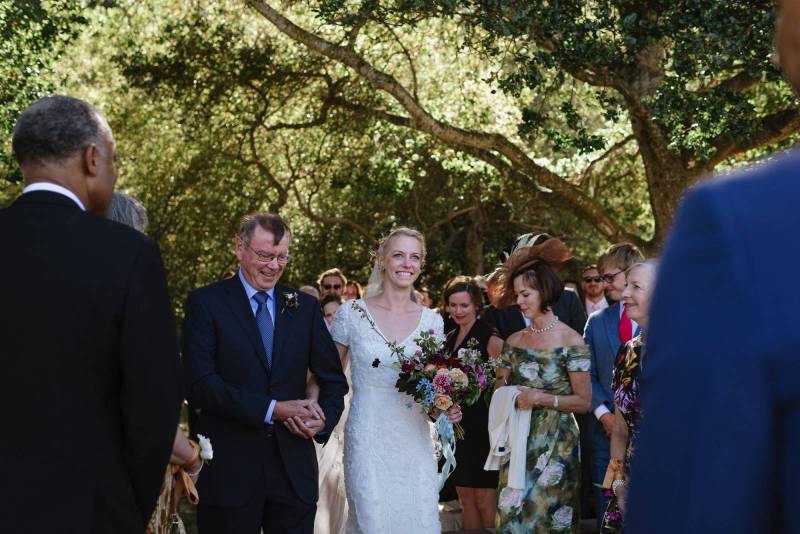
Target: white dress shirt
point(54, 188)
point(592, 307)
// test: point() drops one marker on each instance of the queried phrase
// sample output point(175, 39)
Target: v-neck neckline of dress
point(380, 332)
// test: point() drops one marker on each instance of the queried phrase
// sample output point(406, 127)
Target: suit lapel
point(612, 328)
point(283, 318)
point(243, 313)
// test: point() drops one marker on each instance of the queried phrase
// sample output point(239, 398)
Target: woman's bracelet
point(614, 471)
point(555, 402)
point(619, 483)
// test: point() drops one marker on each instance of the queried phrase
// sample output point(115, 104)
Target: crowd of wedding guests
point(600, 319)
point(696, 416)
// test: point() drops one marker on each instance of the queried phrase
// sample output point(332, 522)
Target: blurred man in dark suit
point(89, 388)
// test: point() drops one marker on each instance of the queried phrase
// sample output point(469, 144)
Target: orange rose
point(442, 402)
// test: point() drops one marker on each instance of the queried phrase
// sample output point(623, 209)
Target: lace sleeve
point(340, 329)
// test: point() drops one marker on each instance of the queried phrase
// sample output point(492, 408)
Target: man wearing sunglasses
point(594, 287)
point(331, 282)
point(605, 331)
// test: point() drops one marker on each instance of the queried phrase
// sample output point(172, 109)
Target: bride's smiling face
point(402, 261)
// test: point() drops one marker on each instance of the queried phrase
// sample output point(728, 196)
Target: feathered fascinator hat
point(553, 252)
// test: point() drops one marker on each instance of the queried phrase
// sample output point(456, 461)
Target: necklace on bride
point(544, 328)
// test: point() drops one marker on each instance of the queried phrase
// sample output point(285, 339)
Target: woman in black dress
point(477, 489)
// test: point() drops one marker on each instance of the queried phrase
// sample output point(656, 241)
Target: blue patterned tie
point(264, 322)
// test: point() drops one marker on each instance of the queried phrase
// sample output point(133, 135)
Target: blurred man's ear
point(787, 40)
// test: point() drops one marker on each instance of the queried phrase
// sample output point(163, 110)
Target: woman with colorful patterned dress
point(627, 414)
point(549, 363)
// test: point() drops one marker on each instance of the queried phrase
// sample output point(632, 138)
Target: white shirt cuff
point(268, 417)
point(600, 411)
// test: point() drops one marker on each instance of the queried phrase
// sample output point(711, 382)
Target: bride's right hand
point(454, 414)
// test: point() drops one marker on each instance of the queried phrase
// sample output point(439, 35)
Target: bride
point(389, 464)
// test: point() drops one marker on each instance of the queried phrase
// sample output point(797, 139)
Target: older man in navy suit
point(720, 433)
point(606, 330)
point(248, 346)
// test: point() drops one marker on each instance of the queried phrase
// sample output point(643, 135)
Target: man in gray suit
point(606, 330)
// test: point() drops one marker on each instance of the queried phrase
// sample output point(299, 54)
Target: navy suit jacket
point(230, 387)
point(720, 430)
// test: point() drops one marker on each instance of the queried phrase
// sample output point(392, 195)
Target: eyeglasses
point(590, 279)
point(609, 278)
point(332, 286)
point(283, 259)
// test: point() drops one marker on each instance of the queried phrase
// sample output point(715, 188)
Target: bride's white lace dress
point(389, 461)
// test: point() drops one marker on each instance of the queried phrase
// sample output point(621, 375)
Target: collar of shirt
point(635, 325)
point(54, 188)
point(594, 306)
point(250, 290)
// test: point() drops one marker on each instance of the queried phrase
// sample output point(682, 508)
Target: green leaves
point(32, 35)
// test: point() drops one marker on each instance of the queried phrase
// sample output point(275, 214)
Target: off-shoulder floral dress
point(550, 501)
point(625, 385)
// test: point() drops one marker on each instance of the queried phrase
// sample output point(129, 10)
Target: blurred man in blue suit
point(719, 449)
point(605, 332)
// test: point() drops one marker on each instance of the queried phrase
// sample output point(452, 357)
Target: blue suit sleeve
point(703, 393)
point(599, 395)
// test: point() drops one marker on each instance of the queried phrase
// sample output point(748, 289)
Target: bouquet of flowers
point(439, 380)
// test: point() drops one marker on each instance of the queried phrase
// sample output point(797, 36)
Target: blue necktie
point(264, 323)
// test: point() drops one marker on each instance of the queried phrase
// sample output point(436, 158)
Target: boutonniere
point(291, 300)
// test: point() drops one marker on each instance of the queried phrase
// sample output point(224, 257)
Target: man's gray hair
point(271, 222)
point(126, 209)
point(54, 128)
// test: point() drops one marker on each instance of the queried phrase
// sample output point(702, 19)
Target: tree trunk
point(473, 252)
point(666, 173)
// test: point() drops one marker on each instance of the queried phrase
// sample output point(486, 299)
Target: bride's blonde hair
point(375, 284)
point(383, 243)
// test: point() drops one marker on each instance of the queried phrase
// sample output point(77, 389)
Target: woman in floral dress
point(625, 385)
point(549, 363)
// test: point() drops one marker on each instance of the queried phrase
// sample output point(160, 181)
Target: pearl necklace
point(544, 329)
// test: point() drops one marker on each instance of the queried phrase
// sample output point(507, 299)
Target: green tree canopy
point(685, 85)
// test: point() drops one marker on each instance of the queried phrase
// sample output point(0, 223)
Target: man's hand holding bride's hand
point(302, 408)
point(304, 418)
point(315, 409)
point(304, 428)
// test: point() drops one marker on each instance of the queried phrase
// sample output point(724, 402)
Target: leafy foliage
point(32, 35)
